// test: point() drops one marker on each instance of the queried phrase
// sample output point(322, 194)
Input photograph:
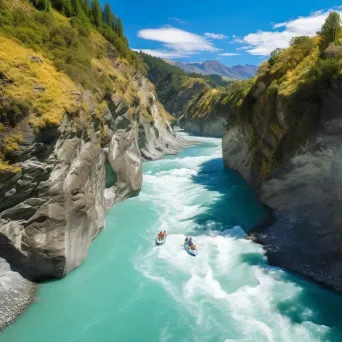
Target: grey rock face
point(214, 127)
point(305, 194)
point(52, 210)
point(306, 234)
point(333, 51)
point(126, 166)
point(158, 139)
point(235, 152)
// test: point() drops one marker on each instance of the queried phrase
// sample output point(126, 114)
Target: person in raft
point(190, 243)
point(161, 236)
point(164, 234)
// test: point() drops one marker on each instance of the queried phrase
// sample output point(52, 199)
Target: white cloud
point(177, 39)
point(176, 43)
point(215, 35)
point(262, 43)
point(229, 54)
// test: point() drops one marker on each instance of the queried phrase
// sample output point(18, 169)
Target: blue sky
point(230, 31)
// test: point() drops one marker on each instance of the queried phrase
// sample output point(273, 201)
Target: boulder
point(333, 51)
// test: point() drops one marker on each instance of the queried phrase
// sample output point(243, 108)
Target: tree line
point(90, 13)
point(330, 33)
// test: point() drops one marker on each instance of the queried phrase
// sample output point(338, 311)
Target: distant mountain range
point(213, 67)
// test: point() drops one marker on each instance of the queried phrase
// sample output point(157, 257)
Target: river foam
point(130, 290)
point(228, 289)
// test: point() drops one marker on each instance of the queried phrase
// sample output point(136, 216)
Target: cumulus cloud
point(176, 43)
point(177, 39)
point(238, 40)
point(215, 35)
point(229, 54)
point(262, 43)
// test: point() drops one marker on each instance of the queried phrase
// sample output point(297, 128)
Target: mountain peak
point(210, 67)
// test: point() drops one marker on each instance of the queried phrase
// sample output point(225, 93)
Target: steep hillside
point(284, 137)
point(245, 71)
point(210, 67)
point(189, 97)
point(77, 116)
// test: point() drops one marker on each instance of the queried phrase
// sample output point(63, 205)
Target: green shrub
point(331, 31)
point(274, 56)
point(11, 111)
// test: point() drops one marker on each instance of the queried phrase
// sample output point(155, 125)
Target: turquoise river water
point(130, 290)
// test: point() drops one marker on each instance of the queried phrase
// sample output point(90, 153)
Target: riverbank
point(16, 294)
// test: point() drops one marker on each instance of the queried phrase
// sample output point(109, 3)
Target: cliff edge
point(284, 137)
point(77, 118)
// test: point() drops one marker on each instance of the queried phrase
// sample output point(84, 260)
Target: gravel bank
point(16, 293)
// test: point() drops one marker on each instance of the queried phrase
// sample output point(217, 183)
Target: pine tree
point(108, 15)
point(57, 4)
point(48, 7)
point(67, 8)
point(76, 7)
point(86, 8)
point(42, 5)
point(119, 28)
point(114, 24)
point(330, 31)
point(97, 13)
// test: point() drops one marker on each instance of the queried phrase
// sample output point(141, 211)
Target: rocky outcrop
point(304, 193)
point(235, 152)
point(70, 175)
point(333, 51)
point(214, 127)
point(56, 205)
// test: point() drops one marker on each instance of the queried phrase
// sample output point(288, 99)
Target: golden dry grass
point(60, 18)
point(18, 4)
point(12, 141)
point(5, 167)
point(98, 42)
point(126, 85)
point(49, 105)
point(120, 73)
point(205, 105)
point(194, 82)
point(294, 77)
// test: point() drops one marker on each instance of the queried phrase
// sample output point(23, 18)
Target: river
point(130, 290)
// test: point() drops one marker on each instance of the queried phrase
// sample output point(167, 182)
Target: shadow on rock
point(25, 265)
point(237, 205)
